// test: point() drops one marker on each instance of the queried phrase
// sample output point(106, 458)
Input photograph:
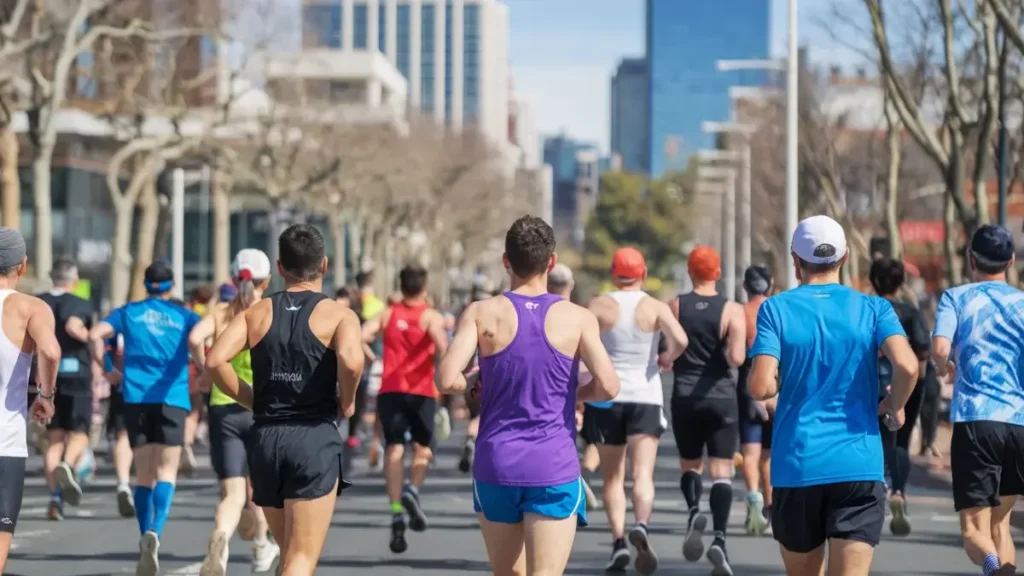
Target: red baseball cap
point(628, 263)
point(704, 264)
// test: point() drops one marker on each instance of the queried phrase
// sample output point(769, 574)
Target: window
point(403, 40)
point(321, 26)
point(382, 28)
point(471, 63)
point(427, 64)
point(359, 29)
point(447, 60)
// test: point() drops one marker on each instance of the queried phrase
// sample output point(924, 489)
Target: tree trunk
point(892, 221)
point(121, 263)
point(10, 182)
point(356, 249)
point(221, 229)
point(42, 202)
point(150, 218)
point(951, 245)
point(338, 236)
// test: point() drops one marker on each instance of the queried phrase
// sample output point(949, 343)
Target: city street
point(94, 541)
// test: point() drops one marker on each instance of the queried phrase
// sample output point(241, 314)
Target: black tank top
point(703, 371)
point(295, 377)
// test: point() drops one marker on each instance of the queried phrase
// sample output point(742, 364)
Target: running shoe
point(149, 549)
point(900, 523)
point(125, 502)
point(756, 523)
point(719, 558)
point(85, 471)
point(55, 511)
point(188, 461)
point(442, 424)
point(373, 456)
point(398, 543)
point(646, 559)
point(468, 452)
point(216, 561)
point(693, 544)
point(70, 489)
point(263, 556)
point(620, 557)
point(417, 517)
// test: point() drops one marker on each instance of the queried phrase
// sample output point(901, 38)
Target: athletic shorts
point(230, 428)
point(766, 435)
point(155, 424)
point(987, 461)
point(294, 461)
point(399, 413)
point(613, 425)
point(586, 432)
point(71, 413)
point(115, 412)
point(804, 518)
point(12, 485)
point(508, 504)
point(705, 422)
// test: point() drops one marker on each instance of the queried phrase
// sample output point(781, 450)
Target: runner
point(977, 340)
point(199, 302)
point(631, 323)
point(473, 406)
point(307, 357)
point(371, 307)
point(818, 344)
point(527, 489)
point(230, 423)
point(413, 337)
point(28, 326)
point(887, 277)
point(113, 368)
point(156, 396)
point(69, 429)
point(353, 443)
point(705, 413)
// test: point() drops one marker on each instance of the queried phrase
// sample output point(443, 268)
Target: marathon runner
point(817, 348)
point(371, 307)
point(156, 395)
point(977, 340)
point(72, 420)
point(413, 337)
point(307, 358)
point(473, 407)
point(353, 443)
point(231, 424)
point(705, 413)
point(113, 368)
point(199, 384)
point(27, 325)
point(887, 277)
point(527, 489)
point(631, 323)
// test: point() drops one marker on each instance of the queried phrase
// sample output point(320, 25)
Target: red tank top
point(408, 353)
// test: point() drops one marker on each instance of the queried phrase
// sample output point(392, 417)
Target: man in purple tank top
point(527, 489)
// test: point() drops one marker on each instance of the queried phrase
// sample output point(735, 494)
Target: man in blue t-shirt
point(817, 348)
point(979, 330)
point(154, 386)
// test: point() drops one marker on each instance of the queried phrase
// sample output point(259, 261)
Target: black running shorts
point(71, 413)
point(296, 461)
point(230, 427)
point(400, 413)
point(705, 422)
point(12, 485)
point(613, 425)
point(155, 424)
point(115, 412)
point(805, 518)
point(987, 461)
point(766, 434)
point(586, 433)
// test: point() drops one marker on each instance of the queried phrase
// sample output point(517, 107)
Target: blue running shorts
point(508, 504)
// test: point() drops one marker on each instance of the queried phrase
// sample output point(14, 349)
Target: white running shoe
point(263, 555)
point(149, 551)
point(442, 424)
point(70, 489)
point(216, 561)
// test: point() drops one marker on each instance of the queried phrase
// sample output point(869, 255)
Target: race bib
point(69, 366)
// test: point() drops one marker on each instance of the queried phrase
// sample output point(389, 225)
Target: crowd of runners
point(279, 386)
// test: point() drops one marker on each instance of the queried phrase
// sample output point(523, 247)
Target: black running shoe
point(466, 463)
point(417, 517)
point(719, 558)
point(620, 557)
point(398, 543)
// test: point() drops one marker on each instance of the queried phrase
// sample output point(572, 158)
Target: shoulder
point(28, 303)
point(263, 307)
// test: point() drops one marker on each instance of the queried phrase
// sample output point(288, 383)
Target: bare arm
point(41, 328)
point(231, 341)
point(675, 336)
point(97, 336)
point(372, 328)
point(348, 345)
point(942, 347)
point(605, 383)
point(905, 368)
point(436, 331)
point(199, 335)
point(764, 377)
point(735, 335)
point(450, 378)
point(75, 327)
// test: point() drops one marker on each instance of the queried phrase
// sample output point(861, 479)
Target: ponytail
point(246, 289)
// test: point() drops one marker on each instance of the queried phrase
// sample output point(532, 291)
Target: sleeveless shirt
point(633, 353)
point(702, 371)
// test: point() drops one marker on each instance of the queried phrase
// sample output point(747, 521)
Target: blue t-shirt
point(826, 338)
point(985, 323)
point(156, 358)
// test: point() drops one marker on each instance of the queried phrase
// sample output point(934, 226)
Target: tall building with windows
point(629, 115)
point(452, 53)
point(685, 88)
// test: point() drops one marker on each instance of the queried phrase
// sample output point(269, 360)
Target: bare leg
point(1001, 532)
point(548, 544)
point(505, 547)
point(421, 457)
point(278, 527)
point(976, 529)
point(52, 457)
point(804, 564)
point(643, 452)
point(614, 474)
point(849, 557)
point(5, 548)
point(591, 458)
point(122, 458)
point(225, 518)
point(394, 471)
point(307, 522)
point(751, 465)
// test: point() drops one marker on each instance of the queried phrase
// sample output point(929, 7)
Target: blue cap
point(227, 292)
point(992, 244)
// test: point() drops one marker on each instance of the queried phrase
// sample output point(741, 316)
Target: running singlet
point(15, 367)
point(633, 353)
point(985, 323)
point(156, 358)
point(528, 406)
point(408, 353)
point(242, 364)
point(294, 376)
point(702, 371)
point(73, 374)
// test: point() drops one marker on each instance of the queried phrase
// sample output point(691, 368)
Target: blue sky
point(563, 53)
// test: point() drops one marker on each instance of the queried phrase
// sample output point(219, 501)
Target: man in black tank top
point(307, 359)
point(705, 413)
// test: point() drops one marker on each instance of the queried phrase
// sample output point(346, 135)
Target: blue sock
point(163, 496)
point(144, 507)
point(990, 565)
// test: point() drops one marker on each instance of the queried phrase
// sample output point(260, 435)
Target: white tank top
point(634, 353)
point(15, 367)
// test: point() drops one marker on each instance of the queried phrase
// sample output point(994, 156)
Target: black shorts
point(299, 461)
point(12, 485)
point(804, 518)
point(766, 435)
point(705, 422)
point(154, 424)
point(71, 413)
point(586, 432)
point(400, 413)
point(230, 428)
point(613, 425)
point(987, 461)
point(115, 412)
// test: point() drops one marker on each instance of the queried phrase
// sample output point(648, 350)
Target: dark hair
point(363, 279)
point(529, 243)
point(819, 268)
point(64, 269)
point(342, 293)
point(986, 266)
point(412, 280)
point(301, 252)
point(887, 275)
point(202, 294)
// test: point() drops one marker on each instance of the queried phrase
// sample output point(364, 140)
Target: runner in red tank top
point(414, 336)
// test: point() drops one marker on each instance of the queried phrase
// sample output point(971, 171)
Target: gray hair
point(64, 271)
point(560, 276)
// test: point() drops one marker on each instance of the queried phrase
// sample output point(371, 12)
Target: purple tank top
point(527, 431)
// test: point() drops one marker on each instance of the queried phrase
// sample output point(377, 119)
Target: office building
point(685, 40)
point(629, 115)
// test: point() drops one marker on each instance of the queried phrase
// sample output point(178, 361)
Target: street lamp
point(745, 130)
point(729, 217)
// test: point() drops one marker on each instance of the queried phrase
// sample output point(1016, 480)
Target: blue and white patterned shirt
point(985, 323)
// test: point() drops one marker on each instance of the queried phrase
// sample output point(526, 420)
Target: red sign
point(922, 232)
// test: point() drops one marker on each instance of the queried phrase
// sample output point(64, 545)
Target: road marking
point(190, 570)
point(944, 518)
point(21, 538)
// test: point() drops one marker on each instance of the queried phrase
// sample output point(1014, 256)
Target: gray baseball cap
point(12, 248)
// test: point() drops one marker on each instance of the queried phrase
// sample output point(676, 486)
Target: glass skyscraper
point(629, 114)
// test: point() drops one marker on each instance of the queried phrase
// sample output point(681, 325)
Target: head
point(704, 265)
point(250, 272)
point(159, 279)
point(560, 281)
point(201, 295)
point(64, 274)
point(343, 296)
point(364, 280)
point(887, 276)
point(758, 281)
point(529, 248)
point(991, 252)
point(13, 259)
point(302, 254)
point(629, 269)
point(818, 248)
point(412, 281)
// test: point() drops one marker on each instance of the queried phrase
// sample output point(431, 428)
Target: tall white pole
point(745, 208)
point(729, 266)
point(792, 125)
point(178, 230)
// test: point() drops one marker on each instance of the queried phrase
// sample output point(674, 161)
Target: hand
point(42, 410)
point(579, 420)
point(114, 377)
point(347, 411)
point(664, 362)
point(762, 409)
point(893, 419)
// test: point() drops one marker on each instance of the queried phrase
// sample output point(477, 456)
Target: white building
point(524, 131)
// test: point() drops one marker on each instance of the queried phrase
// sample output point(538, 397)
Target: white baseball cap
point(252, 260)
point(819, 240)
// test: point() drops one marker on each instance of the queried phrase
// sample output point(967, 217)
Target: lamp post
point(743, 157)
point(729, 218)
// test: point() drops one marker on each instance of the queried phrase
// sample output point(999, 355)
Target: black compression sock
point(692, 486)
point(721, 504)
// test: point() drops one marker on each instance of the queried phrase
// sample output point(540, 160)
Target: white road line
point(190, 570)
point(23, 538)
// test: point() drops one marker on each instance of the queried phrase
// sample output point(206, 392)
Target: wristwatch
point(39, 393)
